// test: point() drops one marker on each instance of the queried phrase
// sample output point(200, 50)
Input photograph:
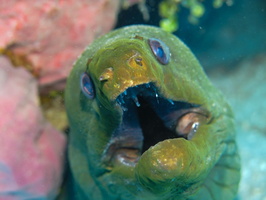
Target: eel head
point(146, 122)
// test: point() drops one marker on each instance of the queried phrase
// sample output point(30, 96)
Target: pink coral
point(51, 34)
point(31, 151)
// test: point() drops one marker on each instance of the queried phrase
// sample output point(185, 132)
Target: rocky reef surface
point(46, 37)
point(31, 150)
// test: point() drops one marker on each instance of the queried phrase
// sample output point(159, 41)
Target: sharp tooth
point(122, 100)
point(155, 91)
point(125, 93)
point(118, 101)
point(171, 101)
point(157, 99)
point(135, 99)
point(194, 129)
point(124, 108)
point(156, 95)
point(148, 85)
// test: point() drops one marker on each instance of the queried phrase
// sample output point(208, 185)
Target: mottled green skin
point(204, 168)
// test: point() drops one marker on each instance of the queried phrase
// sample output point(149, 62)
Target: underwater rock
point(146, 123)
point(47, 36)
point(31, 150)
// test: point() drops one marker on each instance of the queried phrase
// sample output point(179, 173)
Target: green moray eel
point(146, 123)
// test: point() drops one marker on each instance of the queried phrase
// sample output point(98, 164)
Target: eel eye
point(160, 50)
point(86, 86)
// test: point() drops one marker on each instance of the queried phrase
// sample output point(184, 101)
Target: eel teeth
point(121, 102)
point(171, 101)
point(133, 93)
point(156, 94)
point(194, 129)
point(135, 99)
point(124, 108)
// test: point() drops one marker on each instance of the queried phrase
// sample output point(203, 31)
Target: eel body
point(146, 123)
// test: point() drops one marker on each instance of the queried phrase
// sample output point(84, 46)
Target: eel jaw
point(147, 119)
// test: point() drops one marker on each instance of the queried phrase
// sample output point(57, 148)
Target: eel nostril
point(107, 74)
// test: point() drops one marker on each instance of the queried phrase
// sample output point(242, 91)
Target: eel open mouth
point(149, 118)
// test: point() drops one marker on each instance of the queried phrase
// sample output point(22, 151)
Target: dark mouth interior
point(148, 118)
point(152, 125)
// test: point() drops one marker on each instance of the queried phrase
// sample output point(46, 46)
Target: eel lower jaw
point(147, 119)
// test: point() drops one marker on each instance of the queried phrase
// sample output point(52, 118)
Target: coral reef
point(31, 150)
point(47, 36)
